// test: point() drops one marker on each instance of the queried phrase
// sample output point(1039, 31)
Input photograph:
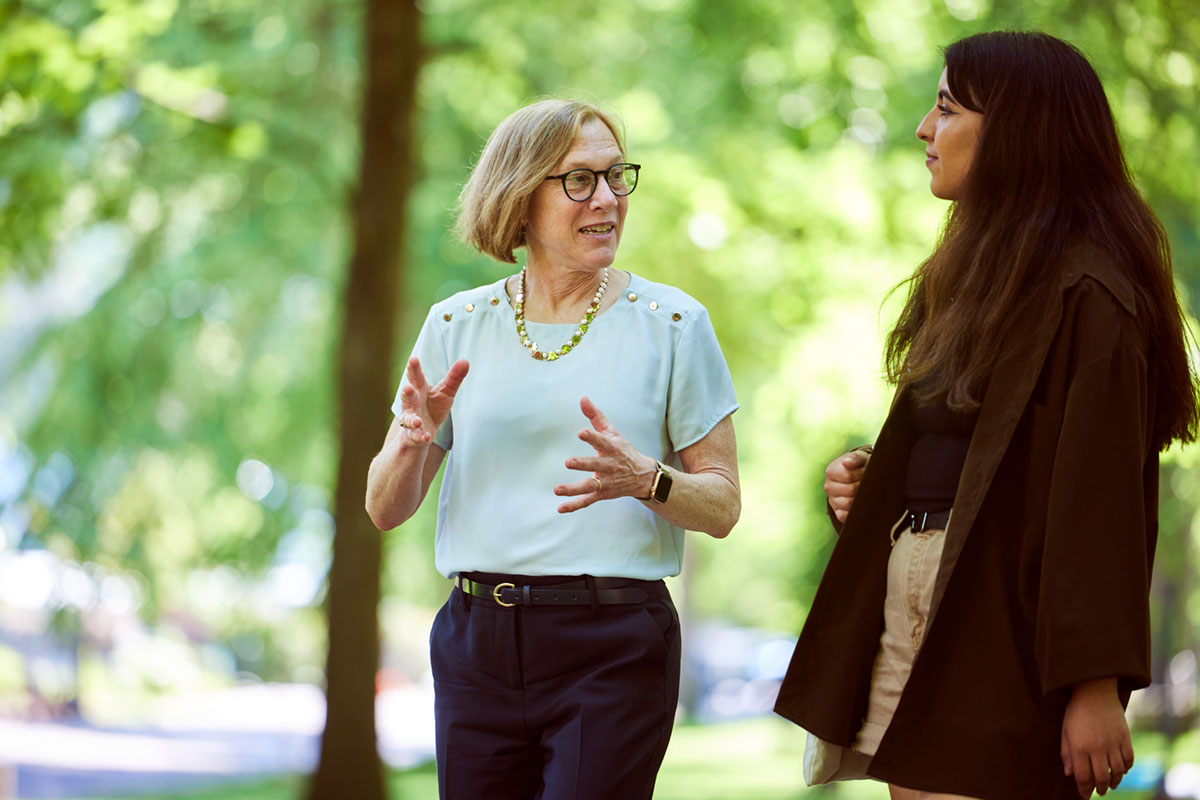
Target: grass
point(756, 759)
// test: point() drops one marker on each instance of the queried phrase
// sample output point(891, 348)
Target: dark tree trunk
point(350, 765)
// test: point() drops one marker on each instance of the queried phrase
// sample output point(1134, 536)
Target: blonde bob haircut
point(518, 156)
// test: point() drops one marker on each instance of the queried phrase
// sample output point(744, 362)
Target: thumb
point(855, 458)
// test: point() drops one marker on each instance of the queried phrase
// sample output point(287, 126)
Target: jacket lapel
point(1003, 404)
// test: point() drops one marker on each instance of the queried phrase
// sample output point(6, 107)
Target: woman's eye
point(945, 111)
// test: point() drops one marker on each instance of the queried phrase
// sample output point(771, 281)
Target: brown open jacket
point(1044, 581)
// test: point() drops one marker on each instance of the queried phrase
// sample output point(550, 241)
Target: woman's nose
point(603, 197)
point(924, 130)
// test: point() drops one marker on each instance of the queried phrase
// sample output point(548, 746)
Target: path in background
point(200, 740)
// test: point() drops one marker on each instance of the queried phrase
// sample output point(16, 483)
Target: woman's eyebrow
point(944, 94)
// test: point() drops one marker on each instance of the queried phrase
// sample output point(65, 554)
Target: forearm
point(394, 484)
point(708, 501)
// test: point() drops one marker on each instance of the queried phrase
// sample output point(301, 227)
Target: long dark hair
point(1048, 168)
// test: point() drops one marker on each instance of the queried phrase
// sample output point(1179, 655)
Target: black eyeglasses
point(580, 184)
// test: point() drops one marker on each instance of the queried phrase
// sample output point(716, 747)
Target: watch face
point(662, 486)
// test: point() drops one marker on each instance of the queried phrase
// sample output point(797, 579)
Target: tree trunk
point(349, 764)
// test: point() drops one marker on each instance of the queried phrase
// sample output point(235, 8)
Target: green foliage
point(173, 232)
point(171, 188)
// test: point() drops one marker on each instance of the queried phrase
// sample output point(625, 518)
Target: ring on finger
point(403, 425)
point(599, 485)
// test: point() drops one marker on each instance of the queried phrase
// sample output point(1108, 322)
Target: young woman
point(1040, 366)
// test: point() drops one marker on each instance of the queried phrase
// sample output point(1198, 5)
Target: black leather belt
point(609, 591)
point(919, 521)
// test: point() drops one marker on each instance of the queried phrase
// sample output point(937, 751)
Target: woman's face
point(951, 133)
point(560, 232)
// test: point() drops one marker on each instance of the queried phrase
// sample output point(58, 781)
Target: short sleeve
point(1093, 618)
point(701, 389)
point(431, 350)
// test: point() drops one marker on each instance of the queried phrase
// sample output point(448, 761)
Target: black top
point(936, 459)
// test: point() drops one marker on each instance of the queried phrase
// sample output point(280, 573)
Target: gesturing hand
point(842, 477)
point(423, 407)
point(1096, 749)
point(618, 469)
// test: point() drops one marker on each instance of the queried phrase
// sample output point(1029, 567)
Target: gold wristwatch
point(661, 488)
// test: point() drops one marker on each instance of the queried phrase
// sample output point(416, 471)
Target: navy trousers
point(553, 702)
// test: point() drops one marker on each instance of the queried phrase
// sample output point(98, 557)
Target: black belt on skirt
point(603, 591)
point(919, 521)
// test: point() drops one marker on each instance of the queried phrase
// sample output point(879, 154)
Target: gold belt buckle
point(496, 594)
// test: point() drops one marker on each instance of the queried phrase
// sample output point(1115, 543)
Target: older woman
point(556, 657)
point(1041, 367)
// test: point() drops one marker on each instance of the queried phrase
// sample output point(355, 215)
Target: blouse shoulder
point(663, 301)
point(467, 304)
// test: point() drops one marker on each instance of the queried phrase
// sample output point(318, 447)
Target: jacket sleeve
point(1093, 618)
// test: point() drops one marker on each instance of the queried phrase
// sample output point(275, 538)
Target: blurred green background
point(176, 210)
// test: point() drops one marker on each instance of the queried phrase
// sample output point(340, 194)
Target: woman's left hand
point(618, 469)
point(1096, 750)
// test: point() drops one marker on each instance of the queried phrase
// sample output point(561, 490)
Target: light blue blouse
point(650, 363)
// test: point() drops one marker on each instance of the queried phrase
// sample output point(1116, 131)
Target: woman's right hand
point(423, 407)
point(842, 477)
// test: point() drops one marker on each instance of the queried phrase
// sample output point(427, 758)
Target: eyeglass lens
point(581, 183)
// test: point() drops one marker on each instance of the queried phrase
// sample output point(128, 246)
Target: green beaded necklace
point(553, 355)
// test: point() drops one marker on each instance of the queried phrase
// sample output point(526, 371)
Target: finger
point(418, 437)
point(855, 460)
point(586, 464)
point(841, 514)
point(1100, 774)
point(1083, 774)
point(837, 472)
point(577, 489)
point(835, 489)
point(454, 378)
point(1116, 767)
point(408, 396)
point(850, 473)
point(579, 502)
point(854, 475)
point(841, 503)
point(1127, 753)
point(1064, 752)
point(600, 442)
point(411, 429)
point(834, 474)
point(594, 415)
point(416, 375)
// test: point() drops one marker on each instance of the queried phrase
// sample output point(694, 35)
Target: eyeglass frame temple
point(562, 178)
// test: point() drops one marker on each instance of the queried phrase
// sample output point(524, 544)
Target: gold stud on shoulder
point(446, 317)
point(495, 301)
point(653, 305)
point(632, 297)
point(676, 316)
point(470, 307)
